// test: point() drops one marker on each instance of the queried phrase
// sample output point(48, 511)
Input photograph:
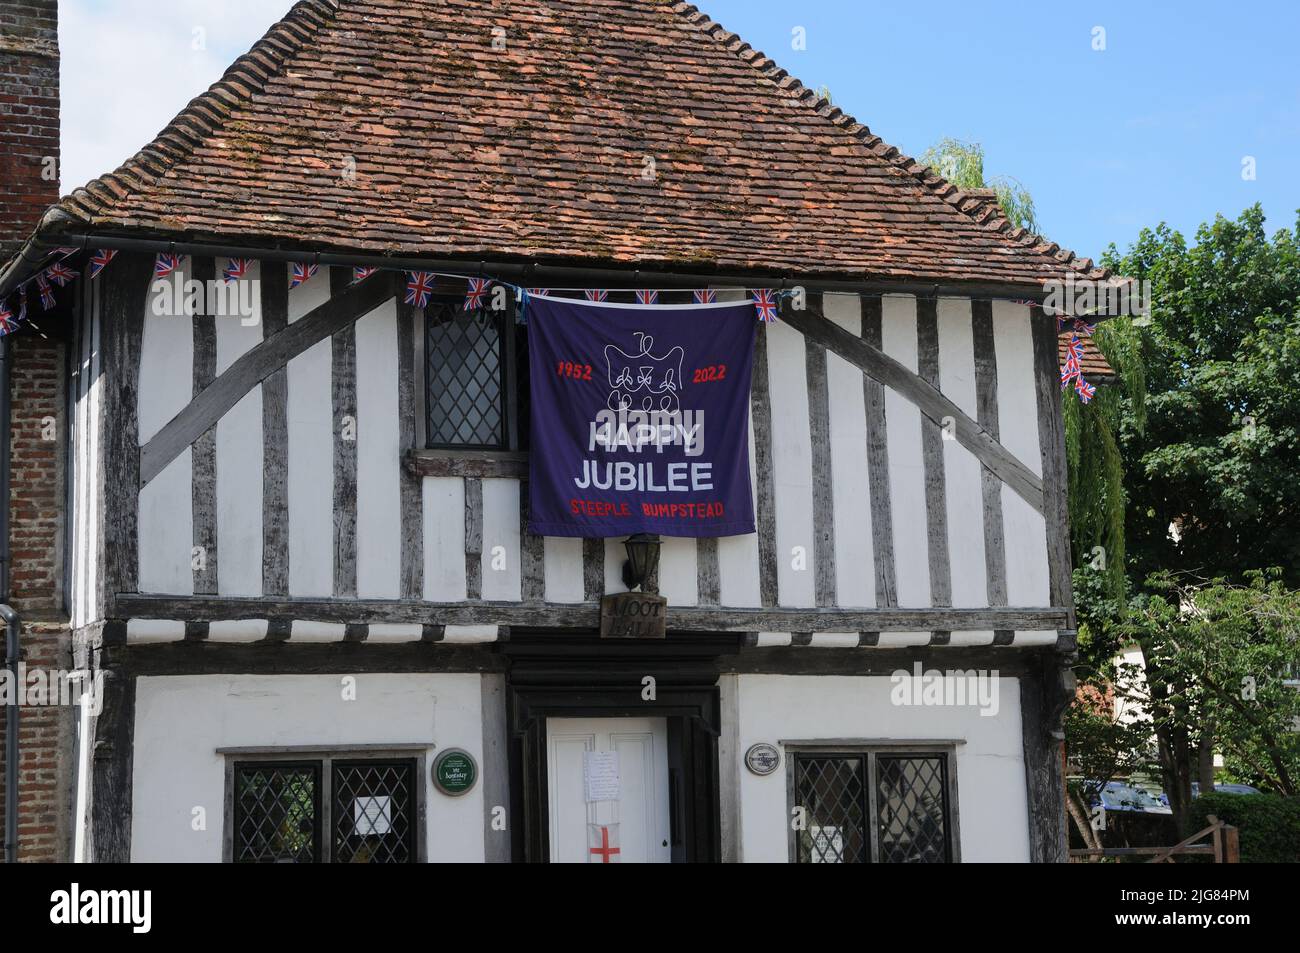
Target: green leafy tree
point(1219, 659)
point(1213, 452)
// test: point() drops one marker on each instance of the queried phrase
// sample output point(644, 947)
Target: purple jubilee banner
point(640, 418)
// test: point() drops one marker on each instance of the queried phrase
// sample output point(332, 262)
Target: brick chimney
point(29, 117)
point(29, 184)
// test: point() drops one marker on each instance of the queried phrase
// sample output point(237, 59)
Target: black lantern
point(642, 559)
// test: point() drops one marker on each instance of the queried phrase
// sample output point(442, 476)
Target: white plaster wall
point(855, 568)
point(738, 583)
point(993, 811)
point(501, 578)
point(1025, 529)
point(444, 539)
point(181, 721)
point(787, 373)
point(239, 465)
point(906, 463)
point(311, 453)
point(678, 571)
point(166, 527)
point(379, 458)
point(311, 472)
point(166, 386)
point(962, 471)
point(562, 563)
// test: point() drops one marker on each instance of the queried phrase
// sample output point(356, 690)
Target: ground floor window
point(872, 805)
point(325, 809)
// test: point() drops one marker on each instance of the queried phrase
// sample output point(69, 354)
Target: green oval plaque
point(455, 772)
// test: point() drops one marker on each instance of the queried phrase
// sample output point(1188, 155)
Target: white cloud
point(129, 66)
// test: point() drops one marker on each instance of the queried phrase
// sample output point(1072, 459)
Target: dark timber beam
point(568, 615)
point(122, 311)
point(256, 365)
point(932, 404)
point(112, 761)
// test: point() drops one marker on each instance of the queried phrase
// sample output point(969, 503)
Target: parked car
point(1218, 788)
point(1122, 796)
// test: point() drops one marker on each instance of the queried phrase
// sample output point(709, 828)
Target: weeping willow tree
point(1095, 467)
point(1096, 471)
point(962, 164)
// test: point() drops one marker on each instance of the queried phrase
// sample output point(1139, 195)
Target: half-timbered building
point(297, 508)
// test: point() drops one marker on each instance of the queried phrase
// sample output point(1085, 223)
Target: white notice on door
point(600, 775)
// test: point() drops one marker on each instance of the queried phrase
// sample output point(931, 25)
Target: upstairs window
point(476, 378)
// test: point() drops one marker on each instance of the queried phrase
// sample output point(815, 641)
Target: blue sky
point(1153, 128)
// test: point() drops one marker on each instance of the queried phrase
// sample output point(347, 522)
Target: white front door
point(636, 824)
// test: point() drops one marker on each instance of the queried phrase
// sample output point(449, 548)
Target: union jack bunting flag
point(22, 303)
point(7, 320)
point(301, 273)
point(165, 264)
point(1074, 349)
point(705, 296)
point(1069, 371)
point(362, 272)
point(99, 259)
point(538, 292)
point(765, 305)
point(60, 274)
point(66, 252)
point(647, 296)
point(419, 286)
point(47, 293)
point(1085, 390)
point(237, 268)
point(475, 289)
point(1076, 325)
point(595, 294)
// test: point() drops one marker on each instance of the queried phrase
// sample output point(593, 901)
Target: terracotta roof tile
point(540, 151)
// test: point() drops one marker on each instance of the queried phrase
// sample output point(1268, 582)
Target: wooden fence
point(1224, 845)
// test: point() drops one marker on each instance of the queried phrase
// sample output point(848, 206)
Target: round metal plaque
point(454, 772)
point(762, 758)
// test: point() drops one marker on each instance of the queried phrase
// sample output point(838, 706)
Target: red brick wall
point(29, 154)
point(29, 116)
point(36, 513)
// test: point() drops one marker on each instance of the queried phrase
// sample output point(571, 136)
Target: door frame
point(578, 675)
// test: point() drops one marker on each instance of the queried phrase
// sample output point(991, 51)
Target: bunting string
point(420, 288)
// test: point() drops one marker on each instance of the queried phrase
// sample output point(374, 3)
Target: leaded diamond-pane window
point(863, 805)
point(330, 809)
point(476, 378)
point(373, 820)
point(832, 791)
point(277, 813)
point(912, 809)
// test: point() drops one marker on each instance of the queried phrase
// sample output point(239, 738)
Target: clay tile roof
point(1094, 365)
point(628, 132)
